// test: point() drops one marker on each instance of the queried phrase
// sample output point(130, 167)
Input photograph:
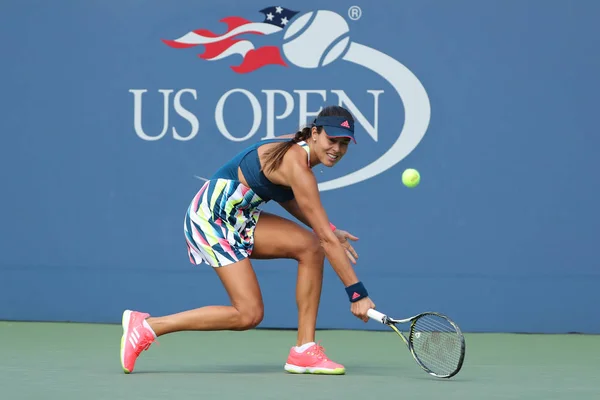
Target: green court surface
point(81, 361)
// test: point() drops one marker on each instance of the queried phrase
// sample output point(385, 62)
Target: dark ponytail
point(274, 157)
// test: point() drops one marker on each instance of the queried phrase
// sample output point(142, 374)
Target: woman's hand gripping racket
point(435, 342)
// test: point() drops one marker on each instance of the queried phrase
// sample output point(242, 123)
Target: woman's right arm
point(306, 192)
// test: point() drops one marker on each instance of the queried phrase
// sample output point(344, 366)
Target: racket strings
point(436, 344)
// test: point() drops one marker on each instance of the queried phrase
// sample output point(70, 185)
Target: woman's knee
point(311, 251)
point(250, 317)
point(242, 287)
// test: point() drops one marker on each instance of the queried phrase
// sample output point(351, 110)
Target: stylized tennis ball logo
point(316, 39)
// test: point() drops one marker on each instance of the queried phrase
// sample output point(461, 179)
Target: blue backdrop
point(112, 110)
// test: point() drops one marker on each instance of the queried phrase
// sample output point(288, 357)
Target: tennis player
point(225, 228)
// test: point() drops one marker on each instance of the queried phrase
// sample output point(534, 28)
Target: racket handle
point(376, 315)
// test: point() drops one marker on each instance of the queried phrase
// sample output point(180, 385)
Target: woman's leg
point(276, 237)
point(245, 312)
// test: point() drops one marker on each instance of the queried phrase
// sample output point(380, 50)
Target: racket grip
point(376, 315)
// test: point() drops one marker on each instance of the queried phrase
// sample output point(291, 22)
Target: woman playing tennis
point(225, 228)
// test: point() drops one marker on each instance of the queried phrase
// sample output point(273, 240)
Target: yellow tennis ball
point(411, 177)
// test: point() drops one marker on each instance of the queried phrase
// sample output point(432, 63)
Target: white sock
point(146, 325)
point(303, 348)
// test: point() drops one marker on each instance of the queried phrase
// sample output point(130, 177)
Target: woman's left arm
point(293, 208)
point(344, 237)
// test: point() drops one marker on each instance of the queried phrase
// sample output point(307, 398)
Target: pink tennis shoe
point(312, 361)
point(136, 338)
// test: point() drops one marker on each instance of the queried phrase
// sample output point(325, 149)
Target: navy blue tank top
point(248, 161)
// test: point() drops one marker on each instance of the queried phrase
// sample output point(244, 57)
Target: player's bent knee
point(312, 251)
point(250, 318)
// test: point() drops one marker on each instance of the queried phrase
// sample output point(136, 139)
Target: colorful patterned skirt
point(219, 223)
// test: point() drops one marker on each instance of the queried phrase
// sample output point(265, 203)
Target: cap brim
point(335, 132)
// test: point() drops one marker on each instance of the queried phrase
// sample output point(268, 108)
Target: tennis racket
point(435, 342)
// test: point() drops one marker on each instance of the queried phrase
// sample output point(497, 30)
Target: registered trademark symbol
point(354, 13)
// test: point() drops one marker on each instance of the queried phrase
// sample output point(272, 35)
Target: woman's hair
point(274, 157)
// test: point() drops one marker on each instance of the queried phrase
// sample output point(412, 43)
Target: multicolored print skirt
point(219, 223)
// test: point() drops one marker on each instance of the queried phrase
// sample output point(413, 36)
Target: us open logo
point(311, 40)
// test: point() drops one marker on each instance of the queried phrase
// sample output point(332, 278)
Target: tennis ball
point(411, 177)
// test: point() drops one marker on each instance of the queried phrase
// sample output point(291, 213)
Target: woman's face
point(329, 150)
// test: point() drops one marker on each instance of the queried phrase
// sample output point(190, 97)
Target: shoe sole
point(125, 324)
point(294, 369)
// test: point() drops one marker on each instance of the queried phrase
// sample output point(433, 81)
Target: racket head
point(437, 344)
